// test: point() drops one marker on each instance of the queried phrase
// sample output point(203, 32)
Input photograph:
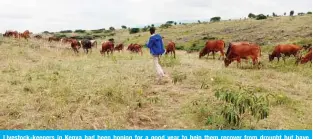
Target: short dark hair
point(152, 30)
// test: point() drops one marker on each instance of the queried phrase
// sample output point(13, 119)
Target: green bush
point(260, 17)
point(134, 30)
point(194, 48)
point(124, 27)
point(80, 31)
point(66, 31)
point(60, 35)
point(97, 31)
point(251, 15)
point(291, 13)
point(112, 28)
point(238, 104)
point(165, 25)
point(169, 22)
point(215, 19)
point(309, 12)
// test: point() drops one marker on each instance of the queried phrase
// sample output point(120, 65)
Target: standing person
point(155, 44)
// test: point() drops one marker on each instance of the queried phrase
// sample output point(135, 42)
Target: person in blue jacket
point(155, 44)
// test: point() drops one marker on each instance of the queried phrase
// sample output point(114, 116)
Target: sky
point(56, 15)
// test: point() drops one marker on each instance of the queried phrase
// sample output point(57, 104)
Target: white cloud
point(56, 15)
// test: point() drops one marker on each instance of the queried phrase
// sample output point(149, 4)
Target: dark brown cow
point(238, 51)
point(38, 36)
point(119, 47)
point(107, 47)
point(170, 48)
point(50, 39)
point(11, 34)
point(136, 48)
point(75, 45)
point(213, 46)
point(306, 58)
point(286, 50)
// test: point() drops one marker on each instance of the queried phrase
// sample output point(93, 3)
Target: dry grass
point(46, 86)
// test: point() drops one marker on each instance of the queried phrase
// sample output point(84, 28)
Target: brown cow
point(107, 46)
point(119, 47)
point(286, 50)
point(11, 34)
point(38, 36)
point(53, 39)
point(213, 46)
point(170, 48)
point(24, 35)
point(75, 45)
point(135, 48)
point(238, 51)
point(305, 59)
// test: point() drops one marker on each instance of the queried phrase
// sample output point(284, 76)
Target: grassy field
point(45, 86)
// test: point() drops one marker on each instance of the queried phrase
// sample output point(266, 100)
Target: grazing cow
point(107, 47)
point(238, 51)
point(75, 45)
point(94, 43)
point(213, 46)
point(53, 39)
point(86, 44)
point(286, 50)
point(38, 36)
point(24, 35)
point(11, 34)
point(135, 48)
point(305, 59)
point(119, 47)
point(170, 48)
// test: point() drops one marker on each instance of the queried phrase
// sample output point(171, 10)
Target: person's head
point(152, 30)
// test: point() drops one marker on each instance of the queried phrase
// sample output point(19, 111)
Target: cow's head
point(227, 62)
point(202, 53)
point(129, 46)
point(270, 57)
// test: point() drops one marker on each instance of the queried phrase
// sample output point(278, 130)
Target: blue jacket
point(155, 44)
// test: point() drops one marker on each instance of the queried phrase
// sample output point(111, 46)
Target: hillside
point(45, 86)
point(268, 32)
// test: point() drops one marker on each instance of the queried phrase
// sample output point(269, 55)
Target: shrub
point(239, 103)
point(124, 27)
point(274, 15)
point(194, 48)
point(301, 14)
point(215, 19)
point(97, 31)
point(165, 25)
point(291, 13)
point(251, 15)
point(260, 17)
point(134, 30)
point(309, 12)
point(66, 31)
point(60, 35)
point(80, 31)
point(112, 28)
point(169, 22)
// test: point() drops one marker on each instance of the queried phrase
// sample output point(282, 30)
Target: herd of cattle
point(235, 51)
